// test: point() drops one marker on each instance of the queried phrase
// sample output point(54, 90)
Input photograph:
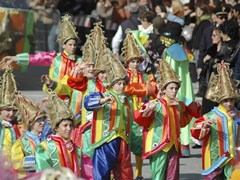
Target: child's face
point(38, 125)
point(89, 71)
point(171, 90)
point(102, 75)
point(228, 103)
point(119, 86)
point(8, 114)
point(134, 64)
point(70, 46)
point(64, 129)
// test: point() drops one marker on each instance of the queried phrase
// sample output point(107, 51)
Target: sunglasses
point(222, 17)
point(41, 120)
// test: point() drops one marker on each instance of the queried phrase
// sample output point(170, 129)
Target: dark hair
point(162, 7)
point(64, 120)
point(230, 28)
point(237, 8)
point(165, 86)
point(125, 78)
point(204, 8)
point(190, 6)
point(69, 39)
point(149, 15)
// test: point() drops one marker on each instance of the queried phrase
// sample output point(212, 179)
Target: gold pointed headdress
point(67, 31)
point(166, 74)
point(29, 111)
point(130, 49)
point(115, 70)
point(222, 86)
point(97, 36)
point(89, 52)
point(57, 109)
point(8, 88)
point(103, 59)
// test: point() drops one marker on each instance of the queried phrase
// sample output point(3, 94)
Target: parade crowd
point(134, 95)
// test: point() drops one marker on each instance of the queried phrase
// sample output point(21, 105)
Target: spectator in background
point(189, 14)
point(55, 25)
point(160, 8)
point(121, 11)
point(206, 41)
point(236, 12)
point(208, 61)
point(146, 19)
point(131, 23)
point(103, 10)
point(203, 21)
point(177, 8)
point(231, 45)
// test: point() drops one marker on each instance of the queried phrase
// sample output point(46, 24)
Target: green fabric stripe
point(23, 59)
point(57, 62)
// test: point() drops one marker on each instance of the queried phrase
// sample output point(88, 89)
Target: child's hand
point(151, 106)
point(208, 123)
point(46, 80)
point(106, 100)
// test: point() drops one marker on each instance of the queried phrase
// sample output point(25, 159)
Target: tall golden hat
point(130, 49)
point(103, 59)
point(57, 109)
point(115, 70)
point(67, 31)
point(1, 81)
point(28, 110)
point(166, 74)
point(89, 52)
point(97, 36)
point(222, 86)
point(7, 89)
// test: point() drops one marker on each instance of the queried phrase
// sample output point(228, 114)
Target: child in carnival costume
point(219, 129)
point(60, 63)
point(140, 87)
point(58, 150)
point(10, 127)
point(81, 134)
point(162, 119)
point(111, 126)
point(23, 150)
point(178, 58)
point(82, 78)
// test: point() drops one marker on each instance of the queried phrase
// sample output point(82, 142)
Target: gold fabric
point(89, 52)
point(67, 31)
point(130, 49)
point(166, 74)
point(115, 70)
point(103, 59)
point(221, 86)
point(7, 89)
point(97, 36)
point(29, 111)
point(57, 109)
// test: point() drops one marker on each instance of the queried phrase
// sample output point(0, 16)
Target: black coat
point(198, 32)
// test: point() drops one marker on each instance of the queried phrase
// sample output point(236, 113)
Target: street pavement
point(190, 168)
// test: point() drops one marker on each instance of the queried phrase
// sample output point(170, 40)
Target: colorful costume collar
point(34, 137)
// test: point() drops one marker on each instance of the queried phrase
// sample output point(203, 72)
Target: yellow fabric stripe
point(121, 132)
point(230, 133)
point(84, 111)
point(172, 131)
point(207, 155)
point(149, 138)
point(17, 156)
point(99, 123)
